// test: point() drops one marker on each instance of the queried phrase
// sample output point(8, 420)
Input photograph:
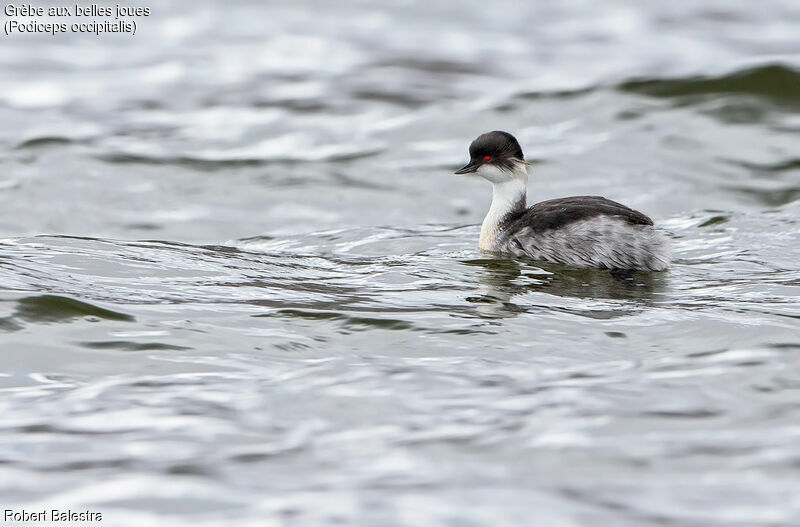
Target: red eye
point(486, 159)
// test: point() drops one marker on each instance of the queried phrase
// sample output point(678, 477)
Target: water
point(240, 285)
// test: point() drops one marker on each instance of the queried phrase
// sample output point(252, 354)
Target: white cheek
point(493, 173)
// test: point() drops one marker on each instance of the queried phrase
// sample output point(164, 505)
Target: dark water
point(239, 284)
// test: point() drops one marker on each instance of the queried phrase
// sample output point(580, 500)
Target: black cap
point(499, 147)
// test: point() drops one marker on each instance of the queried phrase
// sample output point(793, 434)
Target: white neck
point(505, 196)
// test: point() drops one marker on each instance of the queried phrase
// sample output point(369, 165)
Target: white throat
point(506, 196)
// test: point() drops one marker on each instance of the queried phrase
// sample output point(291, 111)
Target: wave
point(776, 83)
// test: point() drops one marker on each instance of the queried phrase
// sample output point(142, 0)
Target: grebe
point(580, 231)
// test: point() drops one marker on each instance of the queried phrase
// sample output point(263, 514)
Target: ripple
point(125, 345)
point(347, 321)
point(45, 142)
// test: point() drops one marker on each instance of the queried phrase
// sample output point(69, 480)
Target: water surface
point(239, 283)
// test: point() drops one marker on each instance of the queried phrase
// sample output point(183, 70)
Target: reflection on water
point(310, 335)
point(503, 279)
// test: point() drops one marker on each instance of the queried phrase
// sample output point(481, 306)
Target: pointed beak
point(472, 166)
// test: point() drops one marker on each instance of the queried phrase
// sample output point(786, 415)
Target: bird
point(577, 231)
